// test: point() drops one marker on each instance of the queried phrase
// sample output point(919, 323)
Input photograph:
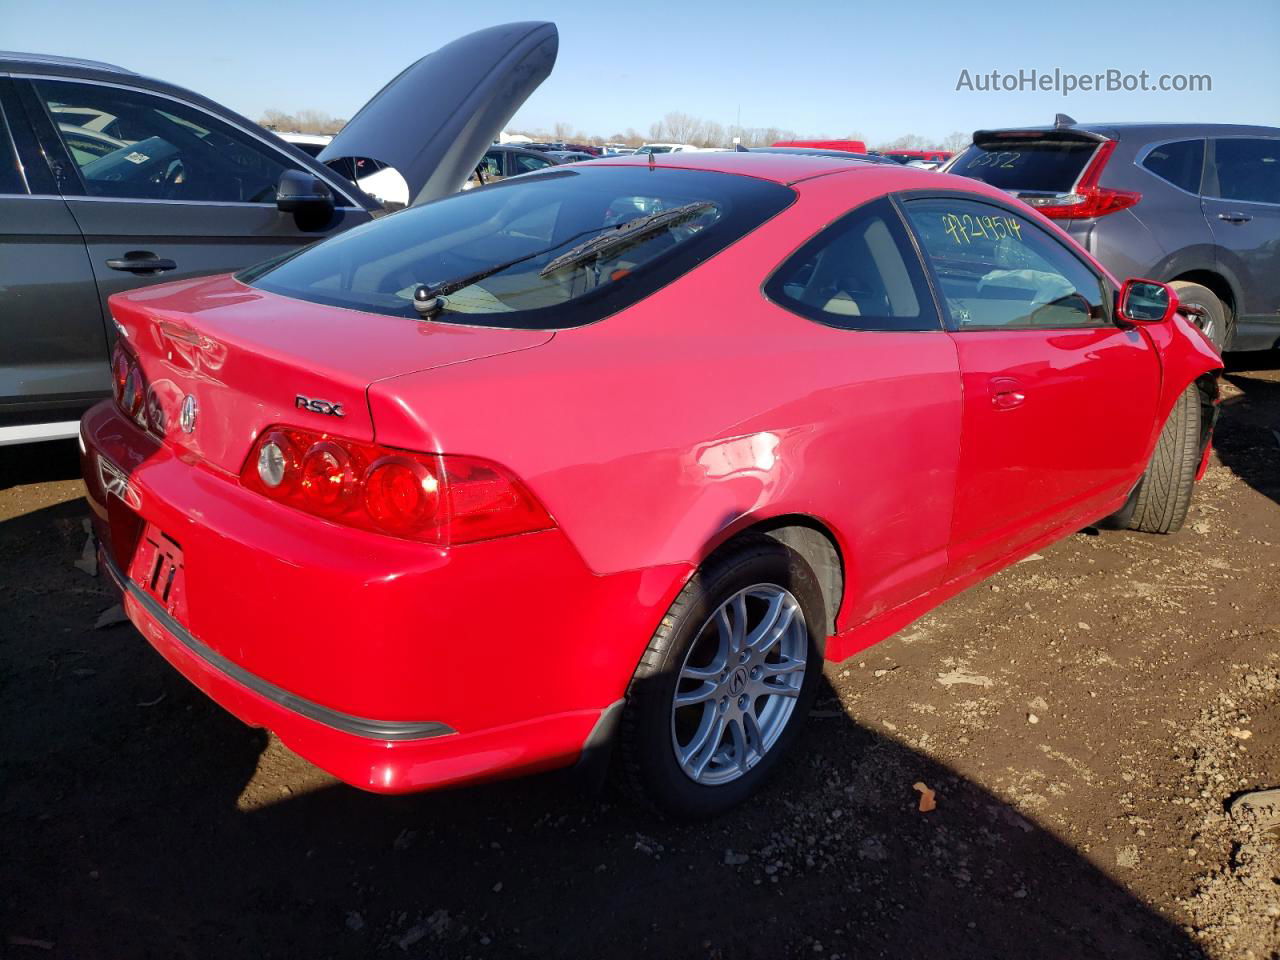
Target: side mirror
point(307, 197)
point(1147, 301)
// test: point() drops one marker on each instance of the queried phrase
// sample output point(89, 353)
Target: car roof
point(11, 60)
point(823, 152)
point(783, 168)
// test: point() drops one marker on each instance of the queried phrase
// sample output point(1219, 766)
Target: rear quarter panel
point(655, 434)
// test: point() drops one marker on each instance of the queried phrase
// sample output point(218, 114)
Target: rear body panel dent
point(400, 625)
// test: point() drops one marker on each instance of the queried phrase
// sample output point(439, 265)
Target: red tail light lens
point(120, 364)
point(130, 389)
point(401, 494)
point(440, 499)
point(1088, 200)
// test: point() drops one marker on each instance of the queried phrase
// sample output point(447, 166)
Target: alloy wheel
point(738, 685)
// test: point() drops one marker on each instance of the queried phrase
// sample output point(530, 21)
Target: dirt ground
point(1084, 720)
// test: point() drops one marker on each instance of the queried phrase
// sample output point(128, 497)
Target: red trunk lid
point(247, 356)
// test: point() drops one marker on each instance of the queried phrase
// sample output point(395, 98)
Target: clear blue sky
point(882, 68)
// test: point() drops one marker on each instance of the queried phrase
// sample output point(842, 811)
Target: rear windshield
point(594, 238)
point(1051, 167)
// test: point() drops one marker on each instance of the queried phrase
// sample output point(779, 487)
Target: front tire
point(726, 682)
point(1160, 501)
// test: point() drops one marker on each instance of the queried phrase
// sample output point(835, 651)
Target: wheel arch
point(1207, 384)
point(1214, 282)
point(816, 544)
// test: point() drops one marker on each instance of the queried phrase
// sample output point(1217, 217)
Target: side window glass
point(132, 145)
point(10, 173)
point(999, 269)
point(526, 164)
point(1179, 163)
point(1248, 169)
point(491, 166)
point(860, 273)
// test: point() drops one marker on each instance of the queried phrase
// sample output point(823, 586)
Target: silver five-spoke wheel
point(738, 684)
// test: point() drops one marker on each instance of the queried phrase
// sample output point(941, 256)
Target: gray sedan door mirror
point(307, 197)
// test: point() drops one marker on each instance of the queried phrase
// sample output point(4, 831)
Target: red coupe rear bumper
point(370, 762)
point(396, 666)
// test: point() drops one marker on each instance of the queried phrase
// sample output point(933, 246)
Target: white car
point(667, 148)
point(374, 178)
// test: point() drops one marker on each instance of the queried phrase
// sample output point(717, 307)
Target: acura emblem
point(116, 481)
point(187, 416)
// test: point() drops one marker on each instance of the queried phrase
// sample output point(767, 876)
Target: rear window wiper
point(428, 299)
point(624, 235)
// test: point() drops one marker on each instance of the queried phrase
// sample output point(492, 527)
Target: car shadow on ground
point(38, 463)
point(1247, 437)
point(139, 819)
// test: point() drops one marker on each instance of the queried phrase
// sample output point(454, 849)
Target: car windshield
point(536, 220)
point(1043, 166)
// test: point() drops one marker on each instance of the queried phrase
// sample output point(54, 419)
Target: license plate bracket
point(159, 569)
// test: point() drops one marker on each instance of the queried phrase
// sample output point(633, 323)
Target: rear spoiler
point(993, 138)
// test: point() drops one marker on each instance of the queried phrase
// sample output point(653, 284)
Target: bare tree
point(304, 121)
point(683, 128)
point(563, 131)
point(274, 119)
point(957, 141)
point(318, 121)
point(712, 135)
point(908, 141)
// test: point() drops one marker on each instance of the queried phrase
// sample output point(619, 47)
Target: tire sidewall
point(1196, 295)
point(666, 783)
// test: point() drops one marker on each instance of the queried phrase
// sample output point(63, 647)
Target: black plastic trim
point(344, 722)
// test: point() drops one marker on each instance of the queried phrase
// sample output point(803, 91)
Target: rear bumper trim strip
point(344, 722)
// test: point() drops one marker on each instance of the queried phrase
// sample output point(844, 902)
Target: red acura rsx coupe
point(615, 455)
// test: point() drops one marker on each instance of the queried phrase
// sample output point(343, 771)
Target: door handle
point(1006, 393)
point(141, 261)
point(1235, 216)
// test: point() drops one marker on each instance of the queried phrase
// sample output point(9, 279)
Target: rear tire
point(1216, 323)
point(1159, 503)
point(656, 762)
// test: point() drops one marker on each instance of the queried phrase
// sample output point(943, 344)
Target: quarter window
point(132, 145)
point(1247, 169)
point(998, 269)
point(1179, 163)
point(860, 274)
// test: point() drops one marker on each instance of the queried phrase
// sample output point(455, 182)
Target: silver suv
point(1196, 205)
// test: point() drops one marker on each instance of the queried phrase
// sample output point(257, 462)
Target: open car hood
point(434, 121)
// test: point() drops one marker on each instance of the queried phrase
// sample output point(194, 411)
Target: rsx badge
point(318, 406)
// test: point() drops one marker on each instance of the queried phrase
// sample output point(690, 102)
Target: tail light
point(130, 390)
point(1088, 199)
point(435, 498)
